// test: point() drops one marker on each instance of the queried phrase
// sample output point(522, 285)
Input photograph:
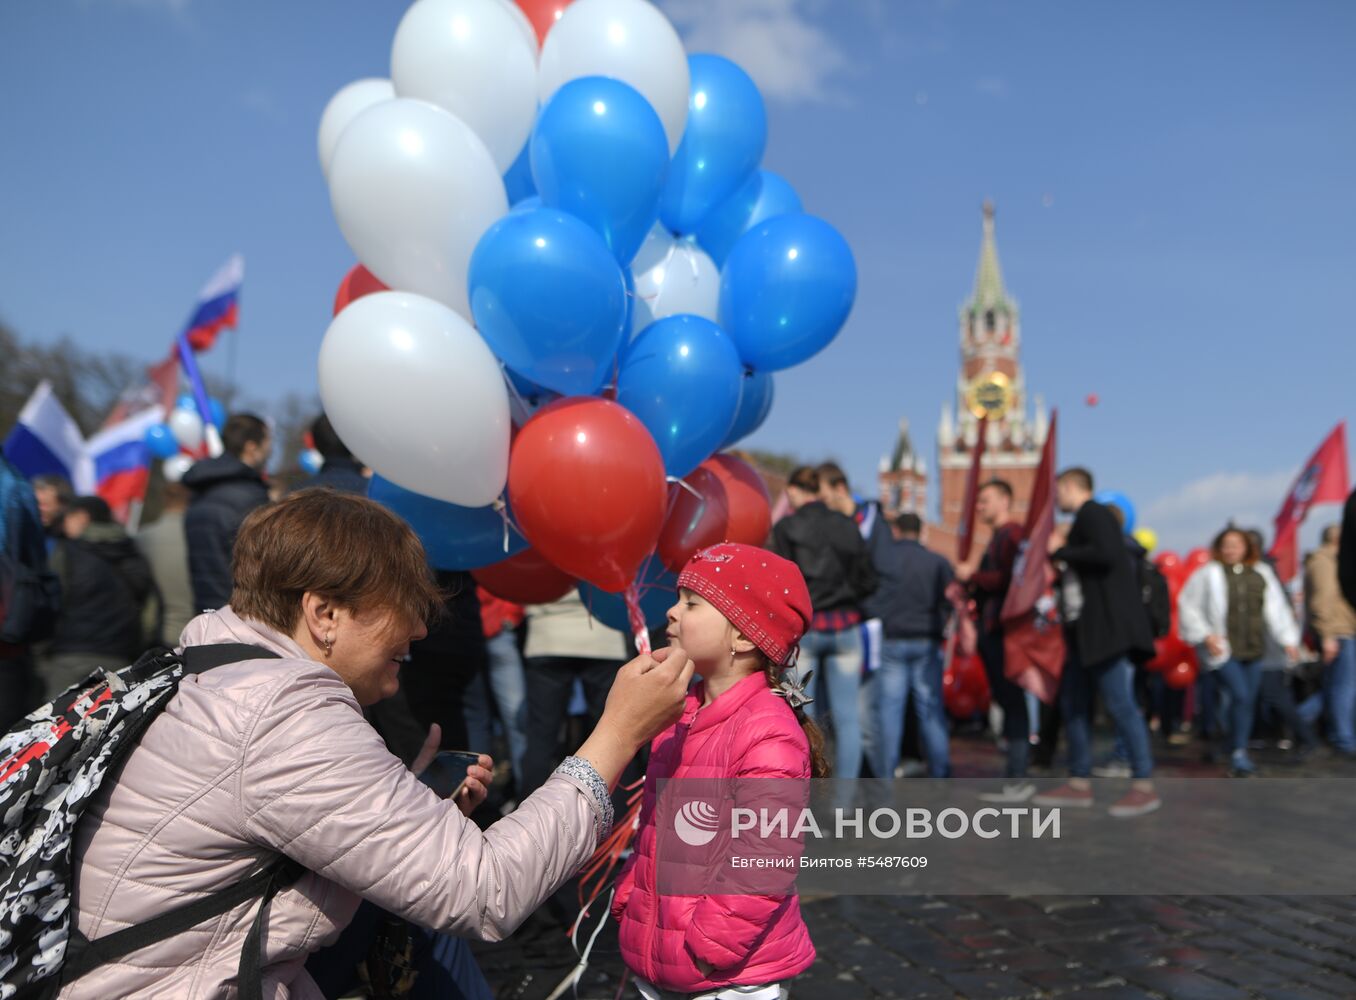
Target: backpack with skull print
point(54, 763)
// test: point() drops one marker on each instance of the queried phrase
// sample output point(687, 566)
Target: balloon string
point(637, 619)
point(682, 484)
point(501, 508)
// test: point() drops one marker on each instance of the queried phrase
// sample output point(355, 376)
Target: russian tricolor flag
point(218, 306)
point(120, 461)
point(47, 442)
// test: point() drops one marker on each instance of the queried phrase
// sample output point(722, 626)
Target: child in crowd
point(740, 615)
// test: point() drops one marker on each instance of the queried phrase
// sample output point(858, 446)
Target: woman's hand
point(646, 698)
point(1214, 644)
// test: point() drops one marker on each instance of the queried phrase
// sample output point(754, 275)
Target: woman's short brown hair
point(346, 548)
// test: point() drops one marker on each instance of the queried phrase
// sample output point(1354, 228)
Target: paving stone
point(991, 984)
point(1184, 984)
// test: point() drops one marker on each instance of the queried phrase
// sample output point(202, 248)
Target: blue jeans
point(1241, 681)
point(1339, 684)
point(509, 687)
point(836, 659)
point(1011, 699)
point(909, 667)
point(1115, 681)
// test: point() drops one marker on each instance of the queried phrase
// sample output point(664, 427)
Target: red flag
point(1322, 480)
point(160, 388)
point(967, 523)
point(1033, 639)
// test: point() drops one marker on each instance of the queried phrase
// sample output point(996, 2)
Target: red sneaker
point(1135, 803)
point(1065, 796)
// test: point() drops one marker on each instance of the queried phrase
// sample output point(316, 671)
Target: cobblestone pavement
point(1100, 948)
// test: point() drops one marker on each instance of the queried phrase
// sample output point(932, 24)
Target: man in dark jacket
point(105, 583)
point(1346, 553)
point(913, 608)
point(30, 595)
point(988, 582)
point(225, 489)
point(341, 470)
point(1111, 632)
point(837, 568)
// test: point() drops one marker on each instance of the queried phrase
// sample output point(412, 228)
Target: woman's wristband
point(586, 774)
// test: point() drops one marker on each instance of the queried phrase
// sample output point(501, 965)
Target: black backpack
point(55, 762)
point(1153, 588)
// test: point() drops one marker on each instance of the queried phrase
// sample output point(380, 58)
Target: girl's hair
point(819, 764)
point(1250, 552)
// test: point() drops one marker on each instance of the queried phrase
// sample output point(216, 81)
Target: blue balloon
point(454, 537)
point(658, 593)
point(311, 462)
point(722, 144)
point(786, 290)
point(599, 152)
point(681, 376)
point(218, 411)
point(160, 440)
point(528, 204)
point(1115, 498)
point(518, 180)
point(755, 403)
point(549, 299)
point(186, 401)
point(763, 196)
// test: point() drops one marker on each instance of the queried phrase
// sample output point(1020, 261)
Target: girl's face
point(1232, 549)
point(700, 630)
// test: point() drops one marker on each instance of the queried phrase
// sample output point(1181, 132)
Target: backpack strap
point(200, 659)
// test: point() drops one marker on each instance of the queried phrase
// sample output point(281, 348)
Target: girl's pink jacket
point(746, 732)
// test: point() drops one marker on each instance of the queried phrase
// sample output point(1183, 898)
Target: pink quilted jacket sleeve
point(725, 928)
point(318, 785)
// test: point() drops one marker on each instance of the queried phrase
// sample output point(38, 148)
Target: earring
point(329, 644)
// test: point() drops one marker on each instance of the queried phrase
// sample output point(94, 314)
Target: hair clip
point(792, 688)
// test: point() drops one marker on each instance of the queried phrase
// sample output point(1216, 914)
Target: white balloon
point(413, 189)
point(629, 40)
point(673, 276)
point(524, 25)
point(174, 467)
point(415, 393)
point(470, 58)
point(344, 106)
point(186, 426)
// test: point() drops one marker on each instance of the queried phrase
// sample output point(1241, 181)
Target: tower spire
point(989, 292)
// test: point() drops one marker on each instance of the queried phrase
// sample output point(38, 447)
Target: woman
point(1231, 608)
point(273, 756)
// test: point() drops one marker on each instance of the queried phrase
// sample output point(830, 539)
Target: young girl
point(740, 615)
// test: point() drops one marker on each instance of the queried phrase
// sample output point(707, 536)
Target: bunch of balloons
point(575, 286)
point(180, 440)
point(1174, 658)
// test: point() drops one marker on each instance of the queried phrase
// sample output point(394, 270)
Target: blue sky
point(1173, 182)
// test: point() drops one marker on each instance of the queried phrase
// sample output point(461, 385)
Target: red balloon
point(527, 578)
point(1093, 399)
point(1182, 673)
point(543, 14)
point(694, 522)
point(587, 483)
point(358, 282)
point(746, 495)
point(1167, 562)
point(1195, 559)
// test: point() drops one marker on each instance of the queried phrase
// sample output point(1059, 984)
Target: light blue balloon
point(681, 376)
point(786, 291)
point(599, 152)
point(528, 204)
point(755, 403)
point(311, 463)
point(160, 440)
point(722, 144)
point(658, 593)
point(186, 401)
point(549, 299)
point(518, 180)
point(763, 196)
point(1115, 498)
point(218, 411)
point(454, 537)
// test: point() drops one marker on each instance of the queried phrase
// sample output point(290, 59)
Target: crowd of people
point(847, 683)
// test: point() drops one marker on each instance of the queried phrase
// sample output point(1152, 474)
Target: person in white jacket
point(1230, 609)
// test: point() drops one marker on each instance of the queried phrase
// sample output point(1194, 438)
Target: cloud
point(262, 103)
point(993, 86)
point(790, 56)
point(1191, 516)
